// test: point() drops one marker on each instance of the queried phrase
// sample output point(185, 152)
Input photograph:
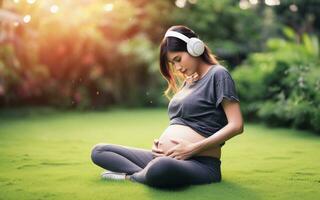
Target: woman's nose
point(177, 66)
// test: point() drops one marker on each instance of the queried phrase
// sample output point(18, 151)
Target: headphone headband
point(177, 35)
point(195, 46)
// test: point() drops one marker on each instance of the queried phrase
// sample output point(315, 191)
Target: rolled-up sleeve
point(224, 87)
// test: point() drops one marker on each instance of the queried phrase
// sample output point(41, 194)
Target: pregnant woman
point(204, 112)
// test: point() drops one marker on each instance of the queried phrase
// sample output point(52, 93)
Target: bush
point(282, 86)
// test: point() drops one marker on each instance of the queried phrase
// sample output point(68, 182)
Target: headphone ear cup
point(190, 51)
point(195, 47)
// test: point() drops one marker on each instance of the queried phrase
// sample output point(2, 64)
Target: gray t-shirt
point(197, 104)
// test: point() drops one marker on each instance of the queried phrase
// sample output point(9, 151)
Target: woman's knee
point(162, 172)
point(96, 149)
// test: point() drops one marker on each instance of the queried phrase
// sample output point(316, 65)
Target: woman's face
point(183, 62)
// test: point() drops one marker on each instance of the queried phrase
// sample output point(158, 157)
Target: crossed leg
point(120, 158)
point(157, 172)
point(170, 172)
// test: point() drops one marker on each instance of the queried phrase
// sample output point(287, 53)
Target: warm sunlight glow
point(27, 19)
point(31, 1)
point(108, 7)
point(180, 3)
point(15, 24)
point(54, 9)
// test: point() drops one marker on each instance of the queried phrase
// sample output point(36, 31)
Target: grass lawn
point(46, 155)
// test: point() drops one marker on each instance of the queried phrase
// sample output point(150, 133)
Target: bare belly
point(185, 132)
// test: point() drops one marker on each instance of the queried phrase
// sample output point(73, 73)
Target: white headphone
point(195, 46)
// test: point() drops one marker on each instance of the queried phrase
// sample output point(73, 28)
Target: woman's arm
point(233, 128)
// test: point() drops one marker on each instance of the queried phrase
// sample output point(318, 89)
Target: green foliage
point(281, 86)
point(230, 31)
point(86, 56)
point(304, 19)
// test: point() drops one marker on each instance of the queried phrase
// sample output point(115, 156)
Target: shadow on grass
point(223, 190)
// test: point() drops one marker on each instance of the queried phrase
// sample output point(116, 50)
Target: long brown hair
point(174, 45)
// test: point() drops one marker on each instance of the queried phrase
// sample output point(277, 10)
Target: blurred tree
point(302, 15)
point(76, 51)
point(231, 32)
point(95, 53)
point(234, 28)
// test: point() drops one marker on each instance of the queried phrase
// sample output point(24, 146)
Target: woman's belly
point(186, 133)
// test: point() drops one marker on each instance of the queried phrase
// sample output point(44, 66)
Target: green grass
point(46, 155)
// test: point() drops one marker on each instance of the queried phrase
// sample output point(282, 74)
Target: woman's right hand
point(155, 150)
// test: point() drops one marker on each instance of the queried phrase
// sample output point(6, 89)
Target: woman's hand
point(155, 150)
point(183, 150)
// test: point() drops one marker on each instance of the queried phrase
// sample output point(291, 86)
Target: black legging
point(159, 171)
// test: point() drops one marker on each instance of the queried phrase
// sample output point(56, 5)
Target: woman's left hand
point(183, 150)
